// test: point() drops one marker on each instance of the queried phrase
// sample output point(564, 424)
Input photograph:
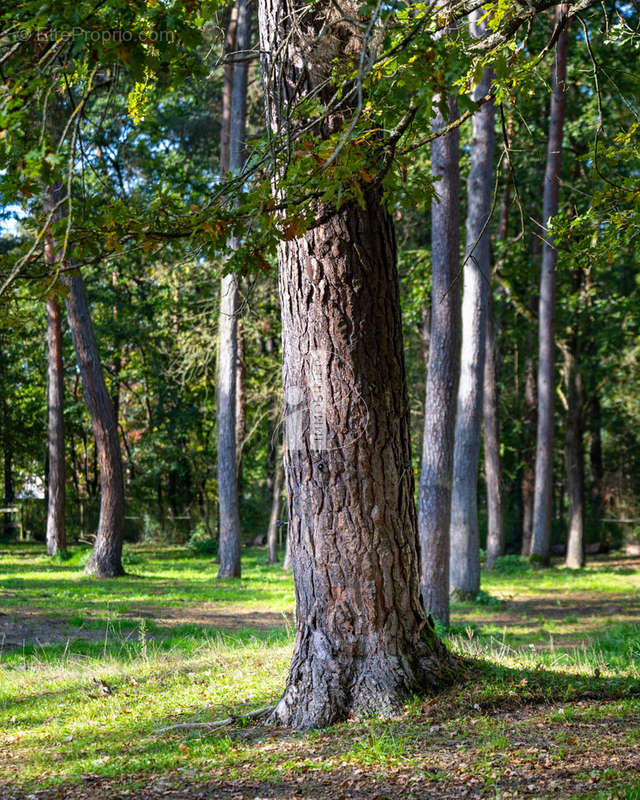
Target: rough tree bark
point(541, 537)
point(434, 498)
point(231, 160)
point(464, 571)
point(363, 642)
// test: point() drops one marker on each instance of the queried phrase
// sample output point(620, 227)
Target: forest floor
point(91, 671)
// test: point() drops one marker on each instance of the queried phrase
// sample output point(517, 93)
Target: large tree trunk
point(574, 458)
point(229, 549)
point(541, 539)
point(56, 500)
point(492, 465)
point(363, 642)
point(434, 499)
point(106, 558)
point(464, 571)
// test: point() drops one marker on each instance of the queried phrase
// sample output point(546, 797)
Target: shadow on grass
point(493, 709)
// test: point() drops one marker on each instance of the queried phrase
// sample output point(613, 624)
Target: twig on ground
point(218, 723)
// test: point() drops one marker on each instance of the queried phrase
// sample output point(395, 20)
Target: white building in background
point(32, 489)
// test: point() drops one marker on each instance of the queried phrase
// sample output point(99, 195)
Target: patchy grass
point(550, 706)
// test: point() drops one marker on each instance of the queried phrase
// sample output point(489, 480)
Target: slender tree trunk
point(464, 572)
point(117, 356)
point(56, 500)
point(272, 532)
point(286, 564)
point(492, 465)
point(241, 405)
point(541, 539)
point(363, 643)
point(106, 559)
point(434, 499)
point(56, 489)
point(595, 461)
point(229, 548)
point(528, 469)
point(9, 493)
point(574, 458)
point(490, 395)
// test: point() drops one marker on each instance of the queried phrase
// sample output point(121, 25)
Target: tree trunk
point(229, 547)
point(492, 465)
point(272, 532)
point(9, 493)
point(528, 469)
point(106, 558)
point(464, 571)
point(490, 395)
point(363, 643)
point(56, 489)
point(434, 500)
point(241, 405)
point(595, 461)
point(574, 459)
point(286, 564)
point(56, 500)
point(541, 538)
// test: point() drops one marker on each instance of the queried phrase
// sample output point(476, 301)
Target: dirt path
point(31, 625)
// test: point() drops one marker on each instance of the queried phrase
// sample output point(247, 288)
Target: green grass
point(552, 690)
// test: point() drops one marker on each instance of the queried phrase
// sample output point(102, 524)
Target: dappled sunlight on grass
point(551, 694)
